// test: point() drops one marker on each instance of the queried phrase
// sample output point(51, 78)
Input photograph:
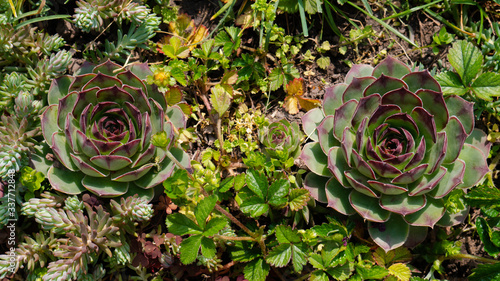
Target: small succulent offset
point(389, 146)
point(282, 139)
point(99, 125)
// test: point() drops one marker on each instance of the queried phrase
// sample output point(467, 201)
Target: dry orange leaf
point(294, 100)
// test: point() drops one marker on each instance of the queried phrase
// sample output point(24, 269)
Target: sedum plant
point(389, 147)
point(99, 125)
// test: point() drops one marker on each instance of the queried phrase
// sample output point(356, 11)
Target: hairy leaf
point(298, 198)
point(400, 271)
point(179, 224)
point(189, 248)
point(256, 270)
point(466, 59)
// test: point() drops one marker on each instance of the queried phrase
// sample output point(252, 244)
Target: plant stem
point(217, 206)
point(219, 135)
point(232, 238)
point(303, 277)
point(469, 256)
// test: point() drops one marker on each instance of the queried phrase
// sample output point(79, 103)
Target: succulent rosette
point(389, 146)
point(282, 139)
point(99, 125)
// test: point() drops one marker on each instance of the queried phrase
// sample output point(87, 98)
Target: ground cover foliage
point(249, 140)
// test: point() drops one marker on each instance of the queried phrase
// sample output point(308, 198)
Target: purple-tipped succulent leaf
point(390, 147)
point(100, 124)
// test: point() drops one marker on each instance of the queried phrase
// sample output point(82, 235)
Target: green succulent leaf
point(66, 181)
point(392, 234)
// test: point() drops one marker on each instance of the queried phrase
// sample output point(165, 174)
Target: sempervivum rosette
point(389, 147)
point(281, 139)
point(99, 125)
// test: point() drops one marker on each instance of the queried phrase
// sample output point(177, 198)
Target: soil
point(419, 27)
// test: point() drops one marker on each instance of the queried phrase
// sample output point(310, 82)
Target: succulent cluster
point(15, 141)
point(389, 146)
point(282, 139)
point(99, 125)
point(75, 236)
point(25, 44)
point(93, 14)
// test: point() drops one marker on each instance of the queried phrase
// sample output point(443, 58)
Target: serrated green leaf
point(256, 270)
point(214, 225)
point(220, 99)
point(341, 272)
point(329, 230)
point(298, 198)
point(316, 260)
point(451, 83)
point(400, 271)
point(319, 275)
point(299, 257)
point(466, 59)
point(179, 76)
point(483, 196)
point(277, 192)
point(495, 238)
point(285, 234)
point(339, 259)
point(484, 231)
point(203, 210)
point(372, 272)
point(323, 62)
point(280, 255)
point(487, 85)
point(179, 224)
point(226, 184)
point(257, 182)
point(486, 272)
point(189, 248)
point(382, 258)
point(175, 49)
point(239, 182)
point(208, 248)
point(254, 206)
point(244, 251)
